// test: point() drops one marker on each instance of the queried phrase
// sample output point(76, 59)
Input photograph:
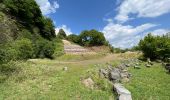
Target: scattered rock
point(149, 61)
point(103, 73)
point(127, 65)
point(65, 68)
point(136, 67)
point(122, 66)
point(114, 75)
point(125, 80)
point(123, 93)
point(148, 65)
point(88, 83)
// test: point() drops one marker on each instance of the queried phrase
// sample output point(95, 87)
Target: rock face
point(123, 93)
point(88, 83)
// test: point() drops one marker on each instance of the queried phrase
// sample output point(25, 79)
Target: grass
point(43, 79)
point(149, 83)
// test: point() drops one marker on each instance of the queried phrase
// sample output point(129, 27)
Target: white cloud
point(65, 28)
point(142, 8)
point(47, 7)
point(125, 36)
point(160, 32)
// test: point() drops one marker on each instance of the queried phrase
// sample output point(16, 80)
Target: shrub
point(155, 47)
point(44, 48)
point(59, 50)
point(7, 53)
point(74, 38)
point(25, 48)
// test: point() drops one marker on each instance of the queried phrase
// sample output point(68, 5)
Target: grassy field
point(43, 79)
point(150, 83)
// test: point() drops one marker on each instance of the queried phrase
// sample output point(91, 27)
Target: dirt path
point(71, 48)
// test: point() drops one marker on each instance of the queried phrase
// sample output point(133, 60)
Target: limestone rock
point(65, 68)
point(114, 75)
point(88, 83)
point(123, 93)
point(103, 73)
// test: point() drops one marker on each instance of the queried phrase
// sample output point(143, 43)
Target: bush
point(59, 50)
point(74, 38)
point(7, 53)
point(25, 48)
point(155, 47)
point(44, 48)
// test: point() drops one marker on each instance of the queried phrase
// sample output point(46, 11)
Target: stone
point(65, 68)
point(122, 66)
point(125, 80)
point(124, 75)
point(148, 65)
point(88, 83)
point(123, 93)
point(114, 75)
point(136, 67)
point(127, 65)
point(103, 73)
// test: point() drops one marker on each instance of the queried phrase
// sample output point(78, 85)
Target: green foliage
point(26, 10)
point(74, 38)
point(61, 34)
point(44, 48)
point(47, 29)
point(59, 50)
point(7, 53)
point(155, 47)
point(20, 49)
point(28, 14)
point(92, 38)
point(25, 48)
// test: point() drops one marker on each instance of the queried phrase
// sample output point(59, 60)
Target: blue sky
point(123, 22)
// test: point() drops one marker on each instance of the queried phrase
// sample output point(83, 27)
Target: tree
point(61, 34)
point(92, 38)
point(74, 38)
point(155, 47)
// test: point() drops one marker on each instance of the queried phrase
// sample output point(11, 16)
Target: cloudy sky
point(123, 22)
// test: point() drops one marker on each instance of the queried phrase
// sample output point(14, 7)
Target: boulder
point(65, 68)
point(88, 83)
point(114, 75)
point(123, 93)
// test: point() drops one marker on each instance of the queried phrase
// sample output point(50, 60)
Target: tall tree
point(61, 34)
